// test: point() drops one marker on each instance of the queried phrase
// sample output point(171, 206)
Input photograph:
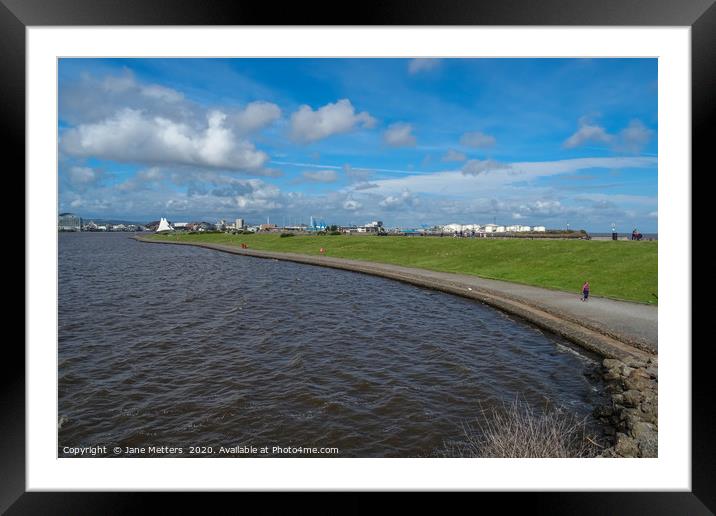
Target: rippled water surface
point(164, 345)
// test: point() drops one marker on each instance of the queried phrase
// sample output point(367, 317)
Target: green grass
point(617, 269)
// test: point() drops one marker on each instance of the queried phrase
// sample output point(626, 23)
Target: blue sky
point(408, 141)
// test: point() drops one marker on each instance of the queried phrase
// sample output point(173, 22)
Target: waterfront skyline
point(410, 142)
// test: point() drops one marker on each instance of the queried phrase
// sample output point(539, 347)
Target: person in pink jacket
point(585, 291)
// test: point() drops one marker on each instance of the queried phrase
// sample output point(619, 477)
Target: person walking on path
point(585, 291)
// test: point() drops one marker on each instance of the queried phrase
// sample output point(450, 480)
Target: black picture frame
point(700, 15)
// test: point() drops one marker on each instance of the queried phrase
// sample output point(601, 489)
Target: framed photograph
point(415, 252)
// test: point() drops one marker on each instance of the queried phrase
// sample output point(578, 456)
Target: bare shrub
point(517, 430)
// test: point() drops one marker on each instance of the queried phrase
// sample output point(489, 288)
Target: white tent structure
point(164, 226)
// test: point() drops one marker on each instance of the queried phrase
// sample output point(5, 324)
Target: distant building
point(372, 227)
point(69, 222)
point(267, 227)
point(539, 229)
point(517, 228)
point(239, 224)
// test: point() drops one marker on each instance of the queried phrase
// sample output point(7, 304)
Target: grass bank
point(617, 269)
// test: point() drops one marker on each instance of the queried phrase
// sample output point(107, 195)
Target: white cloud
point(88, 99)
point(422, 65)
point(356, 174)
point(320, 176)
point(82, 176)
point(157, 92)
point(588, 133)
point(476, 167)
point(453, 155)
point(351, 205)
point(399, 135)
point(405, 198)
point(255, 116)
point(308, 125)
point(364, 185)
point(455, 182)
point(548, 208)
point(127, 83)
point(131, 136)
point(632, 138)
point(477, 140)
point(142, 179)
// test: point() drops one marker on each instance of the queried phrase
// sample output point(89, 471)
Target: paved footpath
point(614, 329)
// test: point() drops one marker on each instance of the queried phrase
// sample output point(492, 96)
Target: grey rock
point(634, 362)
point(626, 370)
point(609, 453)
point(612, 375)
point(612, 363)
point(632, 398)
point(626, 446)
point(647, 438)
point(630, 417)
point(613, 388)
point(638, 382)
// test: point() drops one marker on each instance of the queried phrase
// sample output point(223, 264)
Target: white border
point(671, 471)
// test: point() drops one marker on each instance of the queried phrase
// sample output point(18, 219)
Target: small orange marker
point(323, 251)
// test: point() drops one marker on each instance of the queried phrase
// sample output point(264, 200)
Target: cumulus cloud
point(226, 193)
point(256, 116)
point(453, 155)
point(320, 176)
point(588, 133)
point(399, 135)
point(132, 136)
point(632, 138)
point(157, 92)
point(475, 167)
point(364, 185)
point(83, 176)
point(422, 65)
point(90, 99)
point(405, 198)
point(548, 208)
point(351, 205)
point(477, 140)
point(308, 125)
point(142, 179)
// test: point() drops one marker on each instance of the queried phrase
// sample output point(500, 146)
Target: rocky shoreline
point(632, 415)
